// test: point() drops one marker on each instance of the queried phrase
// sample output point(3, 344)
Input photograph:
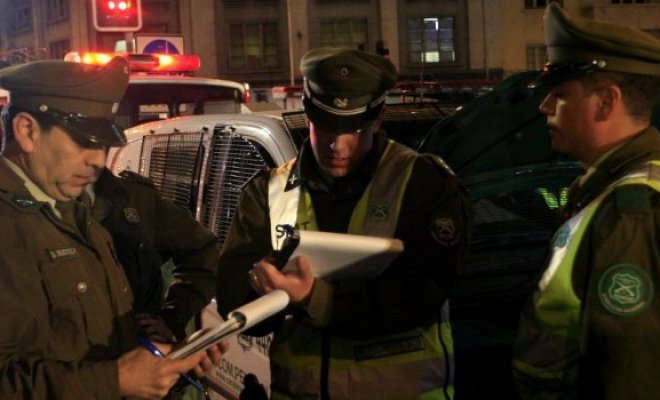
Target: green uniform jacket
point(618, 353)
point(64, 300)
point(409, 294)
point(148, 231)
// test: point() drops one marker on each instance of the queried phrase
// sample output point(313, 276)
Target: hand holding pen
point(141, 375)
point(148, 344)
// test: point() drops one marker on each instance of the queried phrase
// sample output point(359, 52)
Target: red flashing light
point(162, 63)
point(117, 16)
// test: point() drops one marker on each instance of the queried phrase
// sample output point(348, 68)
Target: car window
point(144, 102)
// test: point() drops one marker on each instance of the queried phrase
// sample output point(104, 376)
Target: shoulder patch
point(625, 290)
point(135, 177)
point(445, 231)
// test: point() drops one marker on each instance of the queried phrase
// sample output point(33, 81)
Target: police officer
point(68, 330)
point(592, 330)
point(379, 338)
point(148, 231)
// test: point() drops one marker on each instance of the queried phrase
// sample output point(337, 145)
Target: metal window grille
point(174, 164)
point(233, 161)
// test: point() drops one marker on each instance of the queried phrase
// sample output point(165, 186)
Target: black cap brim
point(92, 132)
point(337, 123)
point(554, 74)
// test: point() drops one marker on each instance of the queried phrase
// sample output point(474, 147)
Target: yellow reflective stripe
point(558, 307)
point(384, 194)
point(306, 220)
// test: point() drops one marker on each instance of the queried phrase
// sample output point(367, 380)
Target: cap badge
point(600, 63)
point(43, 108)
point(341, 103)
point(344, 71)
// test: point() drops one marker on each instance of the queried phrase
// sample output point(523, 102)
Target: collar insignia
point(25, 202)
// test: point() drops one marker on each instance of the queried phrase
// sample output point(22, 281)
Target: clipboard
point(237, 321)
point(338, 256)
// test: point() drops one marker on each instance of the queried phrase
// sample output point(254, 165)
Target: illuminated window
point(350, 33)
point(431, 40)
point(253, 45)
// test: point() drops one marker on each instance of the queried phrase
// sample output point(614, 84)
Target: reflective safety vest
point(547, 349)
point(416, 364)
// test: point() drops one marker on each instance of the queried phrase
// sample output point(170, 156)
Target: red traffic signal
point(117, 15)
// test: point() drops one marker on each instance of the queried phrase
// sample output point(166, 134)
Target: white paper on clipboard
point(237, 321)
point(336, 256)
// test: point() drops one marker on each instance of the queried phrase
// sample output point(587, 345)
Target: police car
point(161, 86)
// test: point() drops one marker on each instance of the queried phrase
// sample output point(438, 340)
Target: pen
point(148, 344)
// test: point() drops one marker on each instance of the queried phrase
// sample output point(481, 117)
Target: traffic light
point(117, 15)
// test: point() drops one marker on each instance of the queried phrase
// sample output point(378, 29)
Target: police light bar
point(140, 62)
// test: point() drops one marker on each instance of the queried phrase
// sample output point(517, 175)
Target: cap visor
point(95, 132)
point(337, 123)
point(554, 74)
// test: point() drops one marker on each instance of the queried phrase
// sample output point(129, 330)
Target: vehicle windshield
point(144, 102)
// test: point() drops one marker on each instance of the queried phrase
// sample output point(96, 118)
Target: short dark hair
point(640, 92)
point(8, 114)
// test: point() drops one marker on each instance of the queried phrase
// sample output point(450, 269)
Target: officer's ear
point(27, 131)
point(610, 98)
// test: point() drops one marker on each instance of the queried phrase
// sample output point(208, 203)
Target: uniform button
point(82, 287)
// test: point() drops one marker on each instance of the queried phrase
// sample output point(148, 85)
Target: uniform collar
point(31, 187)
point(642, 147)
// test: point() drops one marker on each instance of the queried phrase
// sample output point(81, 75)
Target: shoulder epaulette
point(440, 162)
point(634, 198)
point(135, 177)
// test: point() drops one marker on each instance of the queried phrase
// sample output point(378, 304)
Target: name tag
point(63, 253)
point(390, 348)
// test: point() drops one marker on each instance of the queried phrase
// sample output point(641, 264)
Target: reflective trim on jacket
point(409, 365)
point(547, 348)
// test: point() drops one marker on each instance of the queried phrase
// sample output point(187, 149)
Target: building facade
point(261, 41)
